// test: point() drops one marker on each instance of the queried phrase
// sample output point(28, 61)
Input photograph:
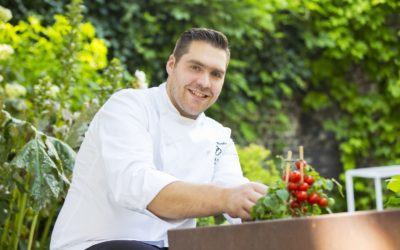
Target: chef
point(152, 161)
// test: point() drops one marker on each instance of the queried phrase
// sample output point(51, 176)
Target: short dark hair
point(213, 37)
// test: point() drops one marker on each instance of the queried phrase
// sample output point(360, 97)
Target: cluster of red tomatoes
point(301, 191)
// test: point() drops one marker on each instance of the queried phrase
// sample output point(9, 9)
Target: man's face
point(195, 81)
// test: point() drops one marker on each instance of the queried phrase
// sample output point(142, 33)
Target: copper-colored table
point(368, 230)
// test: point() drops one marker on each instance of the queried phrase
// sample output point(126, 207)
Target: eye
point(217, 74)
point(195, 67)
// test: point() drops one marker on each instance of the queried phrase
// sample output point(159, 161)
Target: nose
point(204, 80)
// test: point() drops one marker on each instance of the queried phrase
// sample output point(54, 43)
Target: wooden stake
point(289, 162)
point(301, 154)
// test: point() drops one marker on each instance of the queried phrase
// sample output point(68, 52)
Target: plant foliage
point(394, 185)
point(52, 80)
point(300, 192)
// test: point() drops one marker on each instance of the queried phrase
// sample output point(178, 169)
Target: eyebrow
point(203, 65)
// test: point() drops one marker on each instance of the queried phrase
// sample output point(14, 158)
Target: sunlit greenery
point(335, 61)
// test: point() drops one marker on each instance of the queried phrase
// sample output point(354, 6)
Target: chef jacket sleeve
point(126, 148)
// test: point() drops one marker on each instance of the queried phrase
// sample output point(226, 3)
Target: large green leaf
point(41, 159)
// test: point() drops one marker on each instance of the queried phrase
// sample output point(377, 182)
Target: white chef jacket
point(136, 145)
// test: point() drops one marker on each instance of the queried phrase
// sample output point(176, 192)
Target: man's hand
point(241, 199)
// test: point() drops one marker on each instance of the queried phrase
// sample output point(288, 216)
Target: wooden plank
point(367, 230)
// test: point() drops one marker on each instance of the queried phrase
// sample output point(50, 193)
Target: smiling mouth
point(197, 93)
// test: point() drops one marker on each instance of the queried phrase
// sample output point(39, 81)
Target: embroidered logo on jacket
point(218, 151)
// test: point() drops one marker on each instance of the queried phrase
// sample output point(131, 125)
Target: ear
point(170, 64)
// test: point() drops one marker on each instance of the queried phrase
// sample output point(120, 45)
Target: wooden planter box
point(368, 230)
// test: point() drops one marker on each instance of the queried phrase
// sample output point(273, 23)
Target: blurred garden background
point(324, 74)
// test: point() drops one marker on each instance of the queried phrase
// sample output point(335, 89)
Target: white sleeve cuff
point(232, 220)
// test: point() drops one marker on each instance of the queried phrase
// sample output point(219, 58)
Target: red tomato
point(292, 186)
point(313, 198)
point(294, 204)
point(298, 163)
point(295, 176)
point(303, 186)
point(309, 179)
point(301, 196)
point(323, 202)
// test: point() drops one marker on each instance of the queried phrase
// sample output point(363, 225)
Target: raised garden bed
point(367, 230)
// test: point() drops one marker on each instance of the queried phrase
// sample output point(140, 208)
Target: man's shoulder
point(142, 97)
point(220, 129)
point(136, 102)
point(135, 93)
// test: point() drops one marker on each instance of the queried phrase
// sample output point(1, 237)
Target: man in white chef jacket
point(153, 161)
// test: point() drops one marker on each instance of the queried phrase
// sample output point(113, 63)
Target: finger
point(248, 220)
point(260, 188)
point(254, 197)
point(248, 205)
point(244, 215)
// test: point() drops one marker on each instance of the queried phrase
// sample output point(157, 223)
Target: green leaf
point(282, 208)
point(393, 202)
point(317, 101)
point(34, 159)
point(271, 202)
point(65, 153)
point(40, 158)
point(339, 186)
point(247, 131)
point(394, 184)
point(283, 194)
point(5, 147)
point(328, 185)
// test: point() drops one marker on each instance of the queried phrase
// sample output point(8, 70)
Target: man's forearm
point(180, 200)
